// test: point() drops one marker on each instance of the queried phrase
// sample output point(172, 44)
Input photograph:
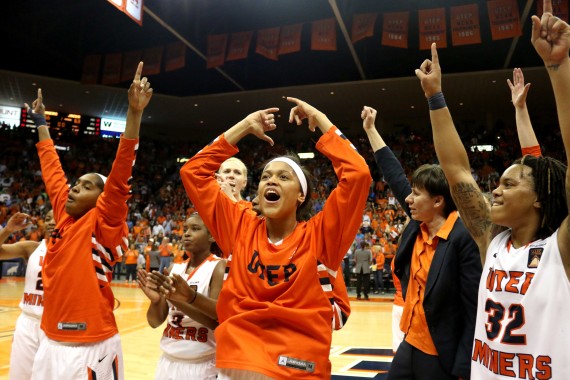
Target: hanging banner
point(131, 60)
point(395, 29)
point(152, 60)
point(91, 67)
point(239, 46)
point(112, 68)
point(465, 27)
point(323, 36)
point(132, 8)
point(504, 19)
point(290, 39)
point(216, 50)
point(175, 56)
point(432, 28)
point(268, 43)
point(363, 26)
point(120, 4)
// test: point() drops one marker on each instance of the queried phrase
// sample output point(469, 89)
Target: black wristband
point(193, 299)
point(436, 101)
point(37, 118)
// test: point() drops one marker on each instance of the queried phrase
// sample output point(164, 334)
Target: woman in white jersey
point(524, 294)
point(27, 335)
point(188, 343)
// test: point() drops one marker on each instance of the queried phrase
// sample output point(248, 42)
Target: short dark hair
point(431, 178)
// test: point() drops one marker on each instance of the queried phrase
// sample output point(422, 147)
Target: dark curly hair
point(549, 177)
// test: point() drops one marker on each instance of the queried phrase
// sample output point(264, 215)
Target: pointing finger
point(434, 56)
point(138, 72)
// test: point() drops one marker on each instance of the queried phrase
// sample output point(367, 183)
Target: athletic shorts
point(27, 338)
point(241, 374)
point(173, 369)
point(79, 361)
point(397, 334)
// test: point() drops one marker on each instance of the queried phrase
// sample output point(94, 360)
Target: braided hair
point(549, 178)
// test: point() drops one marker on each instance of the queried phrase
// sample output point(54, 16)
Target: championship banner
point(268, 43)
point(132, 8)
point(120, 4)
point(216, 50)
point(504, 19)
point(239, 46)
point(432, 28)
point(112, 68)
point(91, 66)
point(290, 41)
point(395, 29)
point(175, 56)
point(131, 60)
point(363, 26)
point(323, 35)
point(559, 9)
point(152, 59)
point(465, 26)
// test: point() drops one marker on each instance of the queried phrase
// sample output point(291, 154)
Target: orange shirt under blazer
point(413, 321)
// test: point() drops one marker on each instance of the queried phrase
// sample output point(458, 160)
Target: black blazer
point(450, 298)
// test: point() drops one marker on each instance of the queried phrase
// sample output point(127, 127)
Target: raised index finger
point(434, 57)
point(294, 100)
point(40, 97)
point(139, 72)
point(547, 6)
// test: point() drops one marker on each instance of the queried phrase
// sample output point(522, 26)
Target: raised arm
point(140, 93)
point(473, 207)
point(341, 216)
point(112, 204)
point(37, 112)
point(21, 249)
point(551, 39)
point(519, 91)
point(203, 189)
point(315, 118)
point(387, 162)
point(257, 124)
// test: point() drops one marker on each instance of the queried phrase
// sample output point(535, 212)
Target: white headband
point(103, 178)
point(296, 168)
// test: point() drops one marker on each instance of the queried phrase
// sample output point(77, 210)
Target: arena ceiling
point(45, 44)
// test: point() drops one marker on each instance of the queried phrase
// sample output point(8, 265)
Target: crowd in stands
point(159, 205)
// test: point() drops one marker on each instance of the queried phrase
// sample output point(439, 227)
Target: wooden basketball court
point(361, 350)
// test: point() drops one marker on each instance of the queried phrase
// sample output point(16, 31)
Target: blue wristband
point(436, 101)
point(37, 118)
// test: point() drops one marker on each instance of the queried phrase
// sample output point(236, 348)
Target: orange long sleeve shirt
point(275, 316)
point(78, 266)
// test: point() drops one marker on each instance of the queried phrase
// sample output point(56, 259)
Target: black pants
point(412, 364)
point(131, 272)
point(360, 277)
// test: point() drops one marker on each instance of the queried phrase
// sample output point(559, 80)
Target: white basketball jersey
point(184, 338)
point(523, 315)
point(32, 302)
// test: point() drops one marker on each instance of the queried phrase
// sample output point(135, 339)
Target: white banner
point(134, 10)
point(10, 116)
